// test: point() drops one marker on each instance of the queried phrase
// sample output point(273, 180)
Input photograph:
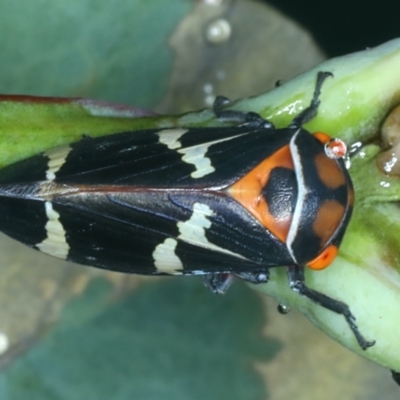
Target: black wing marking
point(121, 232)
point(140, 158)
point(23, 220)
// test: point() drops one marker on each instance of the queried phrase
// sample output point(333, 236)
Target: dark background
point(348, 26)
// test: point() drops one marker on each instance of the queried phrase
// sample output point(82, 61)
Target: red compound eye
point(335, 148)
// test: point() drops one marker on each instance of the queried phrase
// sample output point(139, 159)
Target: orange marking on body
point(329, 171)
point(328, 218)
point(324, 259)
point(248, 192)
point(322, 137)
point(350, 197)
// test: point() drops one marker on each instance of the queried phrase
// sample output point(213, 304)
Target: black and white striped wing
point(144, 202)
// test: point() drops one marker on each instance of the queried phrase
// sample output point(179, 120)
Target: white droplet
point(209, 98)
point(4, 343)
point(218, 31)
point(220, 74)
point(213, 2)
point(208, 88)
point(385, 184)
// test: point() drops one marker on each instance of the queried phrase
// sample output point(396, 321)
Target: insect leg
point(254, 277)
point(296, 280)
point(396, 377)
point(218, 283)
point(250, 119)
point(310, 112)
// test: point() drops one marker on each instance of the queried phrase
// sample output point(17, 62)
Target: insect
point(216, 202)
